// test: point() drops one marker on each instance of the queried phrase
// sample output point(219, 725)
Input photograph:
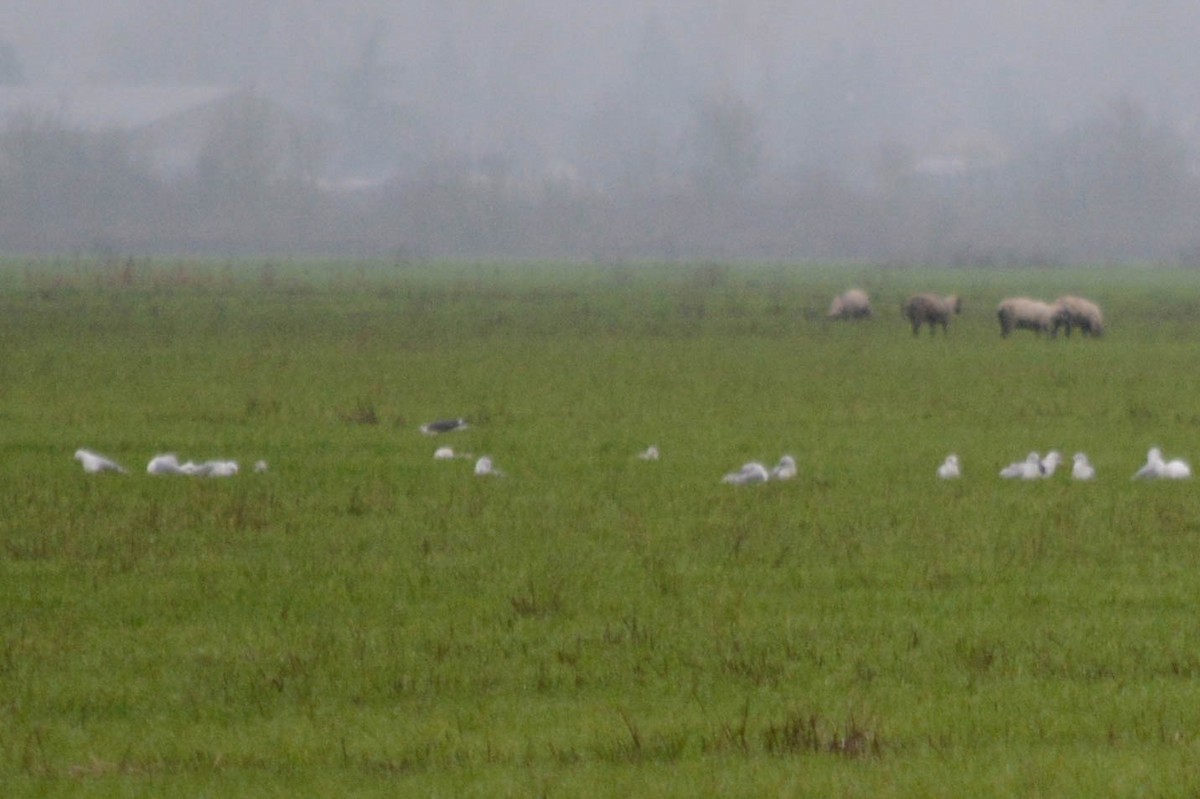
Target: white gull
point(753, 472)
point(1082, 468)
point(949, 470)
point(785, 469)
point(94, 462)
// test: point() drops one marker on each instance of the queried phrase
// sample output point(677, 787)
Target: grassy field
point(365, 621)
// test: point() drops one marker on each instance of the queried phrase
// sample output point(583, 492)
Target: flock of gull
point(1041, 467)
point(1033, 467)
point(167, 463)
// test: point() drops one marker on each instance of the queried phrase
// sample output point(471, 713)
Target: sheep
point(852, 304)
point(1022, 313)
point(1077, 312)
point(930, 309)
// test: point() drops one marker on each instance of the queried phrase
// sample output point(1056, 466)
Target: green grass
point(363, 620)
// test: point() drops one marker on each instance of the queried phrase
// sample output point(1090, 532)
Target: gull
point(1028, 469)
point(447, 453)
point(1177, 469)
point(260, 467)
point(949, 469)
point(94, 463)
point(1082, 468)
point(484, 467)
point(166, 463)
point(214, 468)
point(785, 469)
point(1156, 467)
point(753, 472)
point(443, 426)
point(1050, 462)
point(217, 468)
point(649, 454)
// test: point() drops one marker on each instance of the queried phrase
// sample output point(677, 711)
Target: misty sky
point(544, 77)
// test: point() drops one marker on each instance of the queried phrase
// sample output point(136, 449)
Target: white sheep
point(930, 309)
point(852, 304)
point(1071, 312)
point(1023, 313)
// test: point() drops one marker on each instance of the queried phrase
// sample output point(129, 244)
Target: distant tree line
point(1118, 187)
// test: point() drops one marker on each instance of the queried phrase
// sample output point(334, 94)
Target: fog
point(976, 132)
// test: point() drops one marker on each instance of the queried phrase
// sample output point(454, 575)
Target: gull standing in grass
point(448, 454)
point(1082, 469)
point(753, 472)
point(1050, 463)
point(648, 454)
point(1028, 469)
point(443, 426)
point(484, 468)
point(1156, 467)
point(785, 469)
point(166, 463)
point(94, 463)
point(949, 470)
point(217, 468)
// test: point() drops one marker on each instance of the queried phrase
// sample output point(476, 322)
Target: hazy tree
point(64, 187)
point(726, 144)
point(11, 71)
point(633, 138)
point(1113, 186)
point(372, 123)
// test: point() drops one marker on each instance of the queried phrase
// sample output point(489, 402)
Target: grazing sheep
point(930, 309)
point(1022, 313)
point(852, 304)
point(1077, 312)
